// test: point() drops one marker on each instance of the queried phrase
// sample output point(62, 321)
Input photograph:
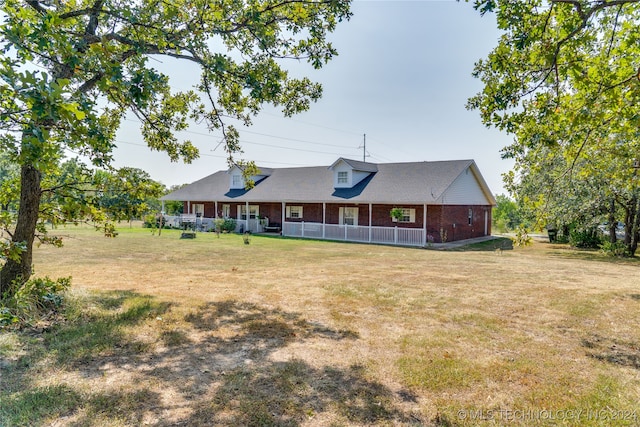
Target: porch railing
point(316, 230)
point(353, 233)
point(189, 221)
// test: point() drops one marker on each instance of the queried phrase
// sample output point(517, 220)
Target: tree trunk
point(635, 230)
point(630, 228)
point(14, 273)
point(612, 222)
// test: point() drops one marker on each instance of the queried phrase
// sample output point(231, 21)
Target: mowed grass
point(283, 332)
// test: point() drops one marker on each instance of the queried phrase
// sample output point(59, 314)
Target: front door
point(348, 216)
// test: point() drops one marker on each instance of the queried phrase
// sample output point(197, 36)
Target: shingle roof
point(409, 183)
point(357, 165)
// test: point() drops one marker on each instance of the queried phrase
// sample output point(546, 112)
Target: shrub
point(153, 221)
point(218, 223)
point(149, 221)
point(618, 248)
point(585, 238)
point(229, 225)
point(37, 298)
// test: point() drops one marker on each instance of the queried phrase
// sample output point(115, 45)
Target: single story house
point(350, 200)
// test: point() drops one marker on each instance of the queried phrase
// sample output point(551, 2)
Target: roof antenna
point(365, 154)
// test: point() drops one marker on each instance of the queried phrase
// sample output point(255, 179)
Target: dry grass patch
point(289, 332)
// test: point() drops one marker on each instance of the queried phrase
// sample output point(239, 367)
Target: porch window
point(348, 216)
point(198, 209)
point(226, 211)
point(470, 217)
point(408, 215)
point(294, 212)
point(253, 211)
point(343, 177)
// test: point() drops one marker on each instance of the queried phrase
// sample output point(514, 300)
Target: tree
point(506, 214)
point(9, 176)
point(564, 80)
point(173, 207)
point(127, 193)
point(92, 67)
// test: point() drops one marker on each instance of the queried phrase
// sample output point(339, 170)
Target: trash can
point(553, 235)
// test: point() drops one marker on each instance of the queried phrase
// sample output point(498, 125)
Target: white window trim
point(198, 208)
point(295, 212)
point(254, 212)
point(342, 215)
point(410, 213)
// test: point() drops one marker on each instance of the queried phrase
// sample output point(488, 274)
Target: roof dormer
point(237, 180)
point(348, 173)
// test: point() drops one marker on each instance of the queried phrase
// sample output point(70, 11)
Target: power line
point(251, 143)
point(284, 138)
point(245, 142)
point(312, 124)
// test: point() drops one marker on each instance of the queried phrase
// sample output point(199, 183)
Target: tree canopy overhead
point(70, 71)
point(564, 79)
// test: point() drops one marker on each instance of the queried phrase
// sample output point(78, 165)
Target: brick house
point(350, 200)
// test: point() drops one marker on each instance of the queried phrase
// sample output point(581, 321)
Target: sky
point(402, 78)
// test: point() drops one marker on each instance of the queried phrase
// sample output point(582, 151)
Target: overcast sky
point(402, 77)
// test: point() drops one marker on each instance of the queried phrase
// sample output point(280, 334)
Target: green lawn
point(210, 331)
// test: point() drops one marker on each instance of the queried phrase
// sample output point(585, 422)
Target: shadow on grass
point(613, 351)
point(292, 392)
point(568, 252)
point(214, 367)
point(102, 328)
point(496, 245)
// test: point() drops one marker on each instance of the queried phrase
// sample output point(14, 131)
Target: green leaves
point(563, 80)
point(92, 61)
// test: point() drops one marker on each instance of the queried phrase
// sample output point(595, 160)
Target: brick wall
point(449, 220)
point(452, 222)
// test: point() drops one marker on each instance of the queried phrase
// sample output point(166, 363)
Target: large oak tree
point(70, 71)
point(564, 79)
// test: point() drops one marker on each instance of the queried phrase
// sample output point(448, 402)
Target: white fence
point(189, 221)
point(352, 233)
point(315, 230)
point(206, 224)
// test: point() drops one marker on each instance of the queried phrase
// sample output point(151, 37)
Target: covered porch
point(419, 224)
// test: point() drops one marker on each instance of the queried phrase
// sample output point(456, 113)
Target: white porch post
point(486, 221)
point(283, 217)
point(324, 218)
point(370, 216)
point(188, 206)
point(247, 217)
point(424, 223)
point(215, 214)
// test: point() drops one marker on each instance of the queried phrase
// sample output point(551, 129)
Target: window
point(226, 211)
point(408, 215)
point(236, 181)
point(198, 209)
point(343, 177)
point(470, 217)
point(294, 212)
point(253, 211)
point(349, 216)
